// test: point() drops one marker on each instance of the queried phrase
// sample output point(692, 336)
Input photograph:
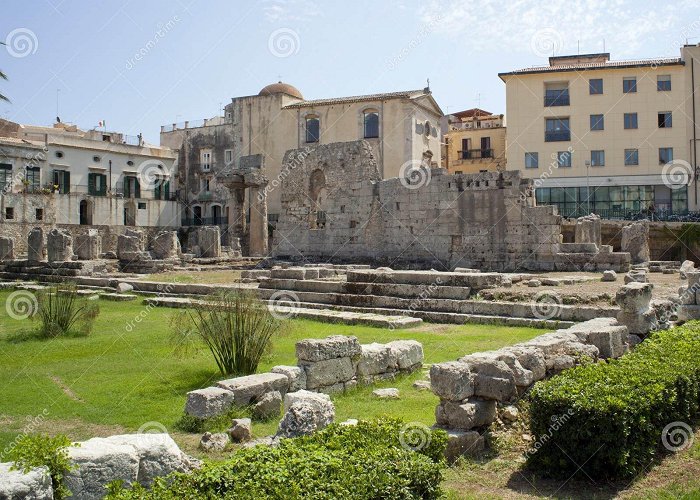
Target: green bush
point(62, 312)
point(236, 327)
point(366, 461)
point(608, 418)
point(39, 450)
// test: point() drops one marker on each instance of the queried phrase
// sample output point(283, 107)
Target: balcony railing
point(476, 154)
point(556, 98)
point(557, 135)
point(205, 221)
point(205, 196)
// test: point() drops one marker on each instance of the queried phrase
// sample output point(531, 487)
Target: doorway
point(85, 213)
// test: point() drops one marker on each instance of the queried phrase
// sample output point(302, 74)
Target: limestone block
point(295, 375)
point(315, 397)
point(493, 379)
point(406, 354)
point(522, 376)
point(129, 246)
point(213, 441)
point(241, 430)
point(59, 245)
point(452, 380)
point(468, 415)
point(88, 246)
point(305, 415)
point(635, 240)
point(36, 249)
point(98, 462)
point(609, 276)
point(18, 485)
point(634, 297)
point(336, 346)
point(251, 387)
point(209, 241)
point(588, 230)
point(208, 402)
point(463, 443)
point(604, 333)
point(374, 359)
point(7, 248)
point(165, 245)
point(530, 358)
point(636, 275)
point(387, 393)
point(328, 372)
point(686, 266)
point(268, 406)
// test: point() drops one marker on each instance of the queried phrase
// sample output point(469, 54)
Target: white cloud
point(277, 11)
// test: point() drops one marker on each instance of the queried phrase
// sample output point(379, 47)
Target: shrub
point(40, 450)
point(609, 417)
point(349, 462)
point(62, 312)
point(236, 327)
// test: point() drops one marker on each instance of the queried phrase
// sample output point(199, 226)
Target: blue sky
point(142, 64)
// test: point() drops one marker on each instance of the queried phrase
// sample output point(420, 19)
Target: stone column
point(635, 240)
point(236, 221)
point(7, 248)
point(88, 246)
point(36, 249)
point(258, 223)
point(588, 230)
point(60, 246)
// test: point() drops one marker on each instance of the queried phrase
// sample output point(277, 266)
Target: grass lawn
point(125, 376)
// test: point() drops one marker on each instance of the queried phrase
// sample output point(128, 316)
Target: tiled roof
point(408, 94)
point(663, 61)
point(20, 142)
point(470, 113)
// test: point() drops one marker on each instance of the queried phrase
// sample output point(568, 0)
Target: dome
point(281, 88)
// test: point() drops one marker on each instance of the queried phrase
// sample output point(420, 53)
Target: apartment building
point(475, 141)
point(610, 137)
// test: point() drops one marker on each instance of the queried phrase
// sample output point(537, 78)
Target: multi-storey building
point(475, 141)
point(610, 137)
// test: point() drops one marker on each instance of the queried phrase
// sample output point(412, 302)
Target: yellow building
point(475, 142)
point(613, 137)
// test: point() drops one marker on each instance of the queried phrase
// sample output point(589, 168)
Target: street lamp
point(588, 186)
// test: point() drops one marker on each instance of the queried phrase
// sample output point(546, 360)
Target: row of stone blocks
point(471, 388)
point(690, 296)
point(334, 364)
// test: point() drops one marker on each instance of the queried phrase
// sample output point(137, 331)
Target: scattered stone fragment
point(124, 287)
point(389, 393)
point(241, 430)
point(350, 422)
point(213, 442)
point(510, 413)
point(609, 276)
point(422, 385)
point(268, 406)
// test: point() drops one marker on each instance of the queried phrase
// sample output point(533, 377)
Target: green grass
point(125, 374)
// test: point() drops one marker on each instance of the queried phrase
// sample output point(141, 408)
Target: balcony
point(476, 154)
point(205, 221)
point(205, 196)
point(556, 98)
point(557, 135)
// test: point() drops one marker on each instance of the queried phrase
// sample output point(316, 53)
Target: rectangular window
point(598, 158)
point(629, 84)
point(39, 214)
point(32, 178)
point(132, 187)
point(205, 160)
point(557, 129)
point(665, 155)
point(312, 129)
point(61, 178)
point(664, 119)
point(532, 160)
point(597, 122)
point(9, 213)
point(5, 177)
point(630, 120)
point(595, 86)
point(371, 125)
point(564, 159)
point(631, 157)
point(556, 94)
point(663, 83)
point(228, 156)
point(97, 184)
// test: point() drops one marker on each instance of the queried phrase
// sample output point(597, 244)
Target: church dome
point(281, 88)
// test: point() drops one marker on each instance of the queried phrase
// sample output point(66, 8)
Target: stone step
point(117, 297)
point(475, 281)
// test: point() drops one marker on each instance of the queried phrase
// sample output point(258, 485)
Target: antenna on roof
point(478, 99)
point(603, 44)
point(578, 47)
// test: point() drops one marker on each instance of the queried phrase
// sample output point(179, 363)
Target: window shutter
point(91, 184)
point(166, 187)
point(127, 194)
point(137, 187)
point(66, 182)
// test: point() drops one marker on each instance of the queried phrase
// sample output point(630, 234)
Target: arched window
point(371, 124)
point(313, 125)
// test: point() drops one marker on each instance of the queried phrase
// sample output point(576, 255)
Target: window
point(161, 190)
point(39, 214)
point(96, 159)
point(665, 155)
point(597, 158)
point(313, 125)
point(97, 184)
point(631, 157)
point(595, 86)
point(205, 160)
point(132, 187)
point(564, 159)
point(629, 84)
point(228, 156)
point(61, 178)
point(664, 119)
point(597, 122)
point(59, 154)
point(556, 94)
point(142, 205)
point(5, 177)
point(557, 129)
point(532, 160)
point(32, 178)
point(663, 83)
point(130, 163)
point(371, 124)
point(630, 120)
point(9, 213)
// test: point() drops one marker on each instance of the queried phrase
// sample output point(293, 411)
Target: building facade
point(617, 138)
point(475, 142)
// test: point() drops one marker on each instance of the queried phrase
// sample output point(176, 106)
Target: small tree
point(62, 311)
point(236, 327)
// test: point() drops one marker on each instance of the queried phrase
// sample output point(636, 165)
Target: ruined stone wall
point(336, 208)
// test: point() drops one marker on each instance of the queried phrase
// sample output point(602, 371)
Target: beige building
point(475, 142)
point(257, 130)
point(615, 137)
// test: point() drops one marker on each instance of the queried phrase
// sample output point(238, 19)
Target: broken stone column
point(88, 246)
point(329, 363)
point(209, 241)
point(166, 245)
point(130, 246)
point(36, 249)
point(7, 248)
point(60, 245)
point(258, 224)
point(588, 230)
point(635, 240)
point(635, 313)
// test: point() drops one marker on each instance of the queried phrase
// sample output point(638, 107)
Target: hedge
point(608, 418)
point(366, 461)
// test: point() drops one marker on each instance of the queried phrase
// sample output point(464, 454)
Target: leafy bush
point(366, 461)
point(39, 450)
point(218, 423)
point(236, 327)
point(63, 312)
point(611, 416)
